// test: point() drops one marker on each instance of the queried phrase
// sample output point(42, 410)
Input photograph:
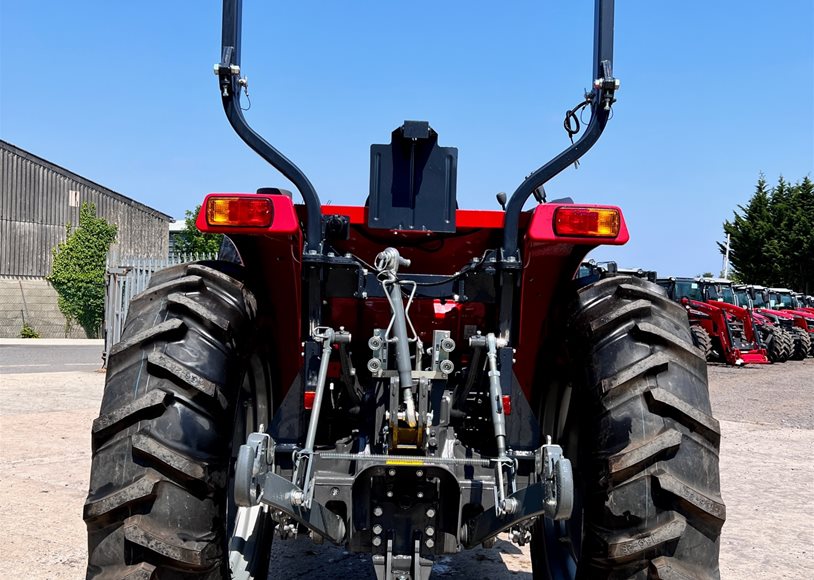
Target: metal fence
point(126, 277)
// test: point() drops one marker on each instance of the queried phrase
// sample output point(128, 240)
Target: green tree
point(191, 240)
point(772, 237)
point(78, 272)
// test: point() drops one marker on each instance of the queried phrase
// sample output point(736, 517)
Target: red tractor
point(778, 341)
point(803, 302)
point(788, 301)
point(795, 324)
point(406, 379)
point(722, 331)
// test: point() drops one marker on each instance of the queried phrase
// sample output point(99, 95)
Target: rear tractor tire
point(631, 409)
point(702, 340)
point(786, 341)
point(183, 388)
point(775, 341)
point(802, 343)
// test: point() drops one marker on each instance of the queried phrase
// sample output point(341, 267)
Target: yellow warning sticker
point(402, 461)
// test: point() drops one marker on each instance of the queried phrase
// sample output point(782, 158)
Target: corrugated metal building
point(38, 198)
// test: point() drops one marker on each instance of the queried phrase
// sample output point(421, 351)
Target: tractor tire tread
point(702, 340)
point(143, 571)
point(186, 378)
point(152, 403)
point(802, 343)
point(664, 568)
point(197, 554)
point(148, 335)
point(655, 443)
point(160, 443)
point(643, 453)
point(141, 489)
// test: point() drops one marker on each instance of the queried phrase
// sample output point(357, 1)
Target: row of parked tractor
point(736, 324)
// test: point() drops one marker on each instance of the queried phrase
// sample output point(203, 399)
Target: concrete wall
point(35, 302)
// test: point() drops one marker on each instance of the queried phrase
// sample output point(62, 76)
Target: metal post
point(604, 89)
point(228, 72)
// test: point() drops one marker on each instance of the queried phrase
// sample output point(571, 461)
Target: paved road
point(36, 358)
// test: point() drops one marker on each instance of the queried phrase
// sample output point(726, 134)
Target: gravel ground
point(766, 414)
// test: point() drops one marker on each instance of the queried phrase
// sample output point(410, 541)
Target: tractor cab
point(781, 298)
point(759, 295)
point(678, 288)
point(717, 289)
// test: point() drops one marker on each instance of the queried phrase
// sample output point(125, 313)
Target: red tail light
point(308, 399)
point(255, 212)
point(587, 222)
point(507, 405)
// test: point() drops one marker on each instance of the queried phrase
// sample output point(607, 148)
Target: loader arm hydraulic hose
point(228, 72)
point(604, 87)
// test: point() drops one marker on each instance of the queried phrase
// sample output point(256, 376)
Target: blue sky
point(713, 93)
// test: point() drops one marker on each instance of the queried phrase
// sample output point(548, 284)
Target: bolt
point(377, 511)
point(420, 494)
point(389, 494)
point(429, 542)
point(419, 473)
point(334, 491)
point(429, 530)
point(391, 472)
point(430, 513)
point(509, 505)
point(297, 497)
point(377, 541)
point(377, 529)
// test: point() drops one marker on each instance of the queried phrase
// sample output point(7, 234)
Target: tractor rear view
point(406, 379)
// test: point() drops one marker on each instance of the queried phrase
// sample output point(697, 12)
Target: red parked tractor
point(406, 379)
point(785, 300)
point(802, 302)
point(720, 292)
point(794, 324)
point(725, 332)
point(778, 341)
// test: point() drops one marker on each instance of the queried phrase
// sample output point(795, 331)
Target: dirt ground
point(767, 475)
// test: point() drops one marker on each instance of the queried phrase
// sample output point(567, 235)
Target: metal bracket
point(402, 566)
point(558, 478)
point(552, 496)
point(254, 460)
point(256, 483)
point(442, 346)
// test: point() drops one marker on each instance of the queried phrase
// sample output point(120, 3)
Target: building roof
point(84, 181)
